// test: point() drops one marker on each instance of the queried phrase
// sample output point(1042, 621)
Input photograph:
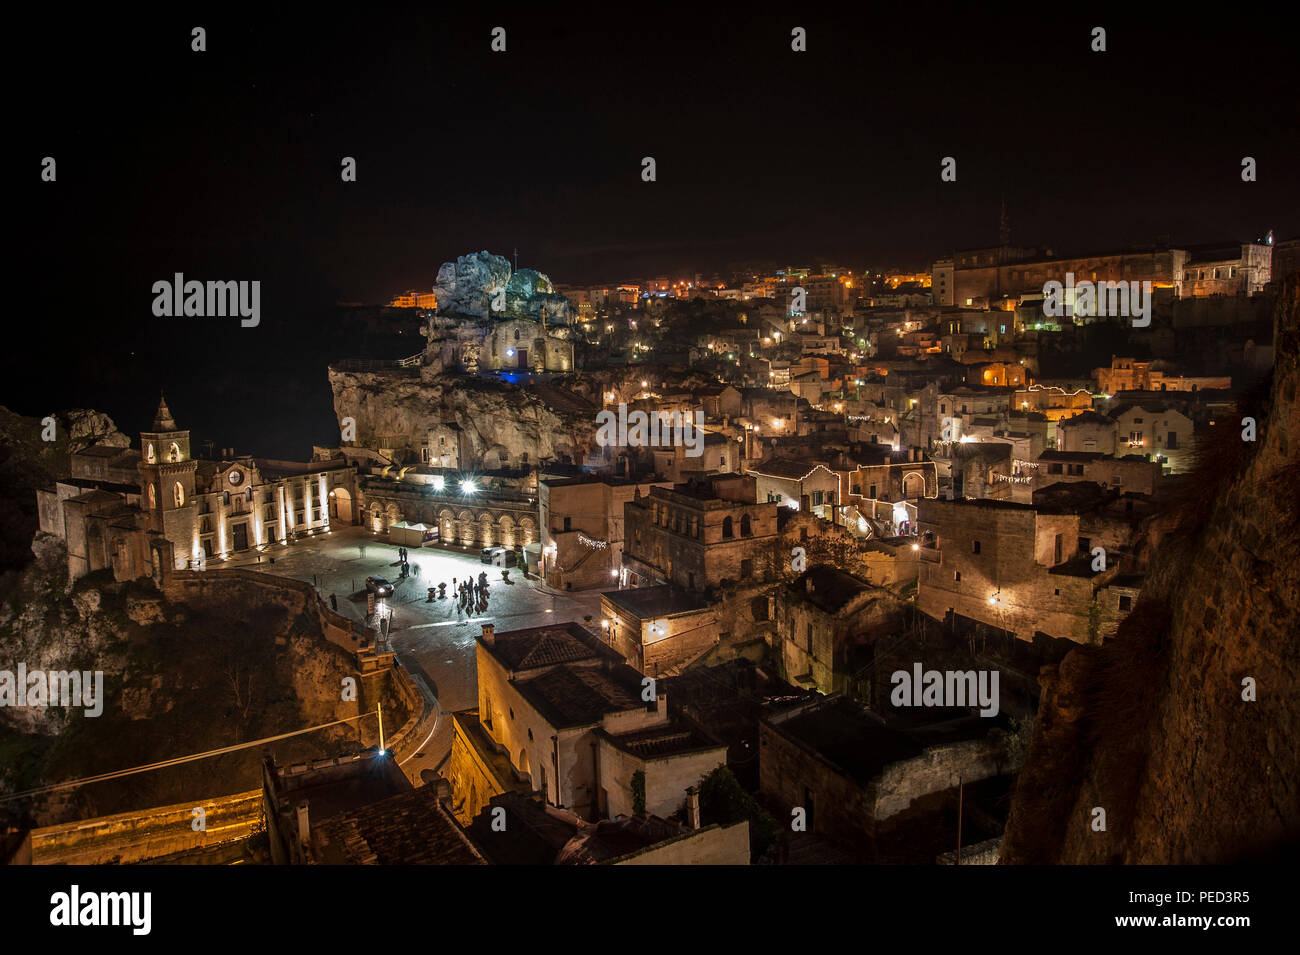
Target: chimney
point(693, 807)
point(489, 634)
point(304, 825)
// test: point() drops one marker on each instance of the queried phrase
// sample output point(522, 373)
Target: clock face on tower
point(235, 477)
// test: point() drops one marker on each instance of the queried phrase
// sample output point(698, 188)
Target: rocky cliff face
point(1182, 727)
point(177, 679)
point(492, 416)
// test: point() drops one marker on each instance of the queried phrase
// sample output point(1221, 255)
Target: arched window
point(174, 452)
point(178, 493)
point(248, 495)
point(153, 496)
point(149, 455)
point(516, 334)
point(225, 498)
point(727, 528)
point(746, 527)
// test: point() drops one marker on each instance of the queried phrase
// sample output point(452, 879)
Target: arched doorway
point(341, 505)
point(913, 485)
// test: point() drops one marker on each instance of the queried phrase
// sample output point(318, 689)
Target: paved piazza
point(435, 640)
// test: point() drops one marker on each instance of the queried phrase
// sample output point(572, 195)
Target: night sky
point(225, 165)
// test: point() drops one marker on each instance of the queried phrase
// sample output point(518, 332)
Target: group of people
point(470, 596)
point(407, 567)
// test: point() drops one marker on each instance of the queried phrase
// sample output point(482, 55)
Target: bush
point(725, 802)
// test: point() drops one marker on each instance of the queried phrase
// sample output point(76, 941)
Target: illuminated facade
point(184, 511)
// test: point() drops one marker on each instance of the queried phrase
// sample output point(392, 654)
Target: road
point(435, 640)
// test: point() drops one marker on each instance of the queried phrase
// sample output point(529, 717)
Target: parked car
point(487, 553)
point(379, 586)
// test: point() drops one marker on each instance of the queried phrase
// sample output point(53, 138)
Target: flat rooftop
point(664, 600)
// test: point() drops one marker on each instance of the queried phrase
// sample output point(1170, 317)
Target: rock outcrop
point(491, 421)
point(179, 677)
point(1182, 726)
point(468, 286)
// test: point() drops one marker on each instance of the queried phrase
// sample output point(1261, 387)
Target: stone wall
point(1153, 726)
point(139, 836)
point(712, 845)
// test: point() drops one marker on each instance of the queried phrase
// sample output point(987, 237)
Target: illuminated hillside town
point(886, 481)
point(442, 509)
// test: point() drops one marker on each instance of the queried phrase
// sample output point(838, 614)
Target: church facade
point(180, 512)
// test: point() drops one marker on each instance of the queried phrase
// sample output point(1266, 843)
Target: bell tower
point(167, 474)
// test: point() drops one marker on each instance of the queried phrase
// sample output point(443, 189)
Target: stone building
point(577, 724)
point(472, 515)
point(1088, 431)
point(1028, 568)
point(658, 630)
point(801, 485)
point(358, 809)
point(182, 511)
point(536, 834)
point(993, 274)
point(817, 617)
point(883, 792)
point(581, 521)
point(1132, 473)
point(1154, 428)
point(1130, 374)
point(1242, 268)
point(698, 535)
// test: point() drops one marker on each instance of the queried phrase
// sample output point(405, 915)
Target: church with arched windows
point(138, 512)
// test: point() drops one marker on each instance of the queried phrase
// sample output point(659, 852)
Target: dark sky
point(225, 164)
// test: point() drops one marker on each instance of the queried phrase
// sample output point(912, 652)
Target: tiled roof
point(543, 646)
point(407, 829)
point(568, 696)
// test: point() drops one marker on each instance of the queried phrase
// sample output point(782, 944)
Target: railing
point(400, 366)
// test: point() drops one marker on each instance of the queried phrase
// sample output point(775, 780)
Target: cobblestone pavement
point(434, 639)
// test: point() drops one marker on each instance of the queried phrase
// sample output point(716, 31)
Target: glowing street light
point(468, 486)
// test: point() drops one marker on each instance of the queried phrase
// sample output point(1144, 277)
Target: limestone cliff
point(1152, 727)
point(178, 678)
point(494, 421)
